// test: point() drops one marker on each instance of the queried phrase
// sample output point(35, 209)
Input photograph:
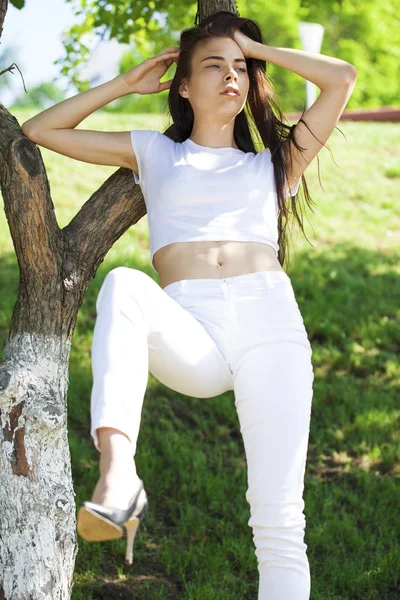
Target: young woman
point(225, 316)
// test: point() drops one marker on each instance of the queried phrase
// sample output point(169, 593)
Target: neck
point(213, 135)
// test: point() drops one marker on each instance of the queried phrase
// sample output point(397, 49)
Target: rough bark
point(209, 7)
point(38, 541)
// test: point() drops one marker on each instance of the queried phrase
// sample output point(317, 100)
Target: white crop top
point(196, 193)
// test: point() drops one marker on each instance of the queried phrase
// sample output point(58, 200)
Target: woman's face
point(210, 77)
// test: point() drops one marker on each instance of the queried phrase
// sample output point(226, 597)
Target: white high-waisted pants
point(203, 337)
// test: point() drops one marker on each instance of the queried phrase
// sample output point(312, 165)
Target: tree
point(38, 541)
point(362, 33)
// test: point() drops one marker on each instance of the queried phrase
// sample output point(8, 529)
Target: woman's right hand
point(145, 77)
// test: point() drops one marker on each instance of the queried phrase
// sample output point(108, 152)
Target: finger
point(165, 85)
point(167, 50)
point(160, 57)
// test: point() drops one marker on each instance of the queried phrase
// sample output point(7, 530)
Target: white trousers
point(201, 338)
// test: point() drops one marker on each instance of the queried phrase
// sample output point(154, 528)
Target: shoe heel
point(131, 529)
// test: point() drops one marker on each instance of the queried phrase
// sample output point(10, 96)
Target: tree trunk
point(38, 542)
point(37, 531)
point(209, 7)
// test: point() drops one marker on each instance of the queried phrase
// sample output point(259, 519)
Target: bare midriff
point(213, 260)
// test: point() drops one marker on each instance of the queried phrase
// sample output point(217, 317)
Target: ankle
point(121, 471)
point(116, 452)
point(115, 467)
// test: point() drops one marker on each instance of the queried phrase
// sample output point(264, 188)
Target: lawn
point(195, 543)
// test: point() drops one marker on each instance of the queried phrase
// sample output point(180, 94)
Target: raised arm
point(54, 128)
point(335, 78)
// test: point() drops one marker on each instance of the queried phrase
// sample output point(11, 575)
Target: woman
point(224, 316)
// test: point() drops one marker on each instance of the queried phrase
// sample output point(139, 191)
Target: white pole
point(311, 35)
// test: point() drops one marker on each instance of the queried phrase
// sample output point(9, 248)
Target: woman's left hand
point(246, 44)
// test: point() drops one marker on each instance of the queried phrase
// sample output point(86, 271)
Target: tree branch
point(57, 265)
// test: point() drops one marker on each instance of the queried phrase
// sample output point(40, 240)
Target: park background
point(196, 543)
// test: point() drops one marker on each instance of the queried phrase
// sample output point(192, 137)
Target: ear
point(182, 89)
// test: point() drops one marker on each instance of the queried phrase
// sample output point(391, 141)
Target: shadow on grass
point(195, 542)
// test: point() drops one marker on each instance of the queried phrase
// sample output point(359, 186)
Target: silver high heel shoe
point(98, 523)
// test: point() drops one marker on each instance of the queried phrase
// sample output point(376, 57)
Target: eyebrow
point(222, 58)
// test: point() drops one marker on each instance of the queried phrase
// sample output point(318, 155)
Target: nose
point(228, 75)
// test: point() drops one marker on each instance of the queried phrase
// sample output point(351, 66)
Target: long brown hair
point(261, 114)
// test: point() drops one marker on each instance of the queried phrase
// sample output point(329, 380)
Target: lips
point(230, 89)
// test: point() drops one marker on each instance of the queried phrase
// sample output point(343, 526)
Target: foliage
point(18, 3)
point(148, 26)
point(365, 34)
point(362, 33)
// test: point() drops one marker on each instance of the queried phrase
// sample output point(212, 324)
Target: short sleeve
point(141, 140)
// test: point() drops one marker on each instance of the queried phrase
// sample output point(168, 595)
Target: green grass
point(195, 543)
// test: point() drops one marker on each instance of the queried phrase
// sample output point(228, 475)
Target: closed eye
point(240, 69)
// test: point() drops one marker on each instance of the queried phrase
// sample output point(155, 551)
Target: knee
point(121, 278)
point(133, 281)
